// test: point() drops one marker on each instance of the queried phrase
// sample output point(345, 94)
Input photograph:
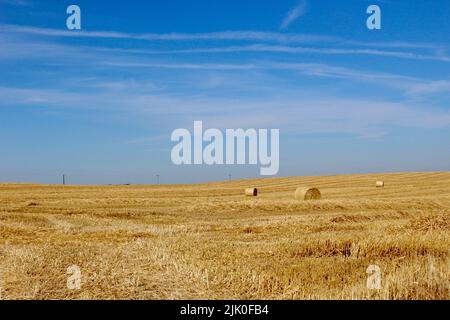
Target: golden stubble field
point(209, 241)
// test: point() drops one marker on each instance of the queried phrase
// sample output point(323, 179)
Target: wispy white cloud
point(293, 14)
point(16, 2)
point(15, 48)
point(93, 57)
point(62, 55)
point(410, 86)
point(429, 87)
point(326, 70)
point(222, 35)
point(197, 66)
point(296, 50)
point(301, 113)
point(237, 35)
point(122, 85)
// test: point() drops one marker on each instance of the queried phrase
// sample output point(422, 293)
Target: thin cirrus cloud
point(293, 50)
point(16, 48)
point(130, 95)
point(296, 114)
point(238, 35)
point(430, 87)
point(15, 2)
point(293, 14)
point(196, 66)
point(410, 86)
point(55, 54)
point(434, 52)
point(230, 35)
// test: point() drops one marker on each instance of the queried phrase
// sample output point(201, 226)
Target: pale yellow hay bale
point(379, 184)
point(251, 192)
point(306, 193)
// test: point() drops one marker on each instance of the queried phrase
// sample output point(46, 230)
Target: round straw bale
point(306, 193)
point(251, 192)
point(379, 184)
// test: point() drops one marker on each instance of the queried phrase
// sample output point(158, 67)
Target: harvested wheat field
point(210, 241)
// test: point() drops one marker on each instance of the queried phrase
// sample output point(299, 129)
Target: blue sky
point(100, 104)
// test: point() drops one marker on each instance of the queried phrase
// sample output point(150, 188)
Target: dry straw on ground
point(207, 241)
point(251, 192)
point(307, 193)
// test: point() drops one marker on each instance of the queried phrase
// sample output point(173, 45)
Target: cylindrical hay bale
point(380, 184)
point(251, 192)
point(306, 193)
